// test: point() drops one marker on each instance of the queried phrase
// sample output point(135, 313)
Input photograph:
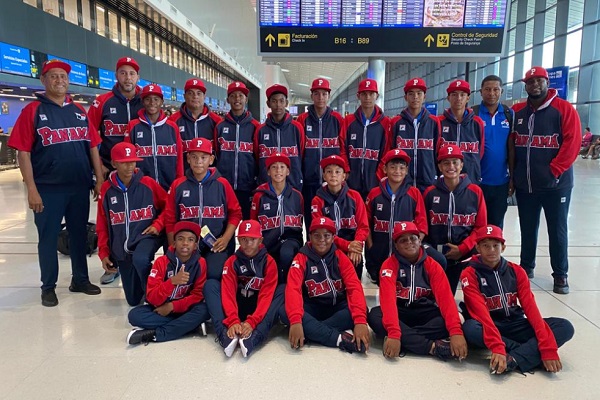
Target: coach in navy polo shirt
point(57, 149)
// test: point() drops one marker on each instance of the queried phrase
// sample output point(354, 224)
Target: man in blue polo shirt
point(495, 177)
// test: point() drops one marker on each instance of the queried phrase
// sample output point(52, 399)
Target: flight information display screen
point(313, 27)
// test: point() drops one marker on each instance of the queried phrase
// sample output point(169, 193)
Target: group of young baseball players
point(195, 185)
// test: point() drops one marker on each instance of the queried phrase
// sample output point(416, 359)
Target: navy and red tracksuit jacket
point(492, 295)
point(192, 128)
point(110, 113)
point(59, 139)
point(325, 136)
point(324, 281)
point(235, 151)
point(287, 138)
point(469, 135)
point(280, 217)
point(124, 213)
point(418, 137)
point(160, 289)
point(209, 202)
point(245, 277)
point(347, 209)
point(365, 146)
point(386, 209)
point(455, 217)
point(159, 145)
point(408, 287)
point(547, 141)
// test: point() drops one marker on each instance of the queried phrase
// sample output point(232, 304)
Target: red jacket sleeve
point(95, 112)
point(265, 294)
point(481, 127)
point(22, 137)
point(476, 306)
point(255, 206)
point(356, 296)
point(571, 139)
point(127, 138)
point(387, 297)
point(234, 211)
point(420, 212)
point(480, 221)
point(294, 303)
point(229, 285)
point(443, 296)
point(102, 223)
point(196, 294)
point(362, 221)
point(385, 123)
point(342, 137)
point(95, 139)
point(370, 197)
point(301, 139)
point(169, 215)
point(158, 290)
point(546, 340)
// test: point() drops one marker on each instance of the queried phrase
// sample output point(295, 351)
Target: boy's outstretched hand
point(362, 336)
point(235, 329)
point(497, 363)
point(391, 348)
point(458, 346)
point(552, 365)
point(296, 336)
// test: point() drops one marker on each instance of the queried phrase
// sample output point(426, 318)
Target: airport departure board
point(387, 27)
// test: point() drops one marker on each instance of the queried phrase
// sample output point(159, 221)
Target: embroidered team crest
point(436, 199)
point(520, 121)
point(113, 110)
point(379, 207)
point(326, 210)
point(353, 136)
point(266, 206)
point(295, 264)
point(243, 269)
point(402, 273)
point(308, 128)
point(446, 129)
point(505, 124)
point(266, 136)
point(153, 273)
point(43, 117)
point(401, 127)
point(96, 103)
point(464, 282)
point(113, 200)
point(182, 129)
point(484, 282)
point(314, 269)
point(225, 268)
point(80, 117)
point(314, 209)
point(140, 135)
point(386, 273)
point(186, 193)
point(170, 274)
point(226, 129)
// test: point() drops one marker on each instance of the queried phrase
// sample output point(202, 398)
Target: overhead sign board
point(341, 28)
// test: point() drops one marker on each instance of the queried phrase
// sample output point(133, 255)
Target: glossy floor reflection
point(78, 350)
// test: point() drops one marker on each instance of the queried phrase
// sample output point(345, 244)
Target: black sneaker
point(139, 335)
point(561, 285)
point(511, 364)
point(49, 298)
point(227, 343)
point(87, 288)
point(442, 350)
point(346, 344)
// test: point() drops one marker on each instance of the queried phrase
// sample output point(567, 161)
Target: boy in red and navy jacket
point(156, 139)
point(323, 296)
point(235, 151)
point(345, 207)
point(127, 224)
point(194, 118)
point(461, 127)
point(175, 300)
point(417, 311)
point(280, 134)
point(245, 304)
point(455, 210)
point(417, 132)
point(205, 197)
point(506, 318)
point(367, 139)
point(392, 201)
point(325, 132)
point(278, 207)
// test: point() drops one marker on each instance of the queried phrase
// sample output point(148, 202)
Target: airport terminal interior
point(78, 349)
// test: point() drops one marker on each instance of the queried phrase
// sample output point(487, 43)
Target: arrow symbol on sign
point(429, 39)
point(270, 39)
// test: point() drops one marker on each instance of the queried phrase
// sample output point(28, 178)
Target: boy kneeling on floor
point(174, 292)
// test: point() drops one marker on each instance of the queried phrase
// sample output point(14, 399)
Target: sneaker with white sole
point(247, 344)
point(227, 343)
point(107, 278)
point(139, 335)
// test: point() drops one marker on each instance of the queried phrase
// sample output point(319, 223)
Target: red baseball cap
point(151, 89)
point(194, 83)
point(249, 228)
point(415, 83)
point(403, 228)
point(535, 72)
point(124, 152)
point(334, 160)
point(396, 154)
point(459, 85)
point(322, 222)
point(187, 226)
point(368, 85)
point(449, 150)
point(54, 63)
point(490, 232)
point(277, 157)
point(320, 83)
point(277, 88)
point(128, 61)
point(200, 144)
point(237, 86)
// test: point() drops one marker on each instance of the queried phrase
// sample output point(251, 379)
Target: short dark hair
point(587, 128)
point(491, 78)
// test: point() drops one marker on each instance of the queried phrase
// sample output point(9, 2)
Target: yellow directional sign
point(429, 39)
point(443, 40)
point(270, 39)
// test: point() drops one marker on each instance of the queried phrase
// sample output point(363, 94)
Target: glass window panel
point(85, 14)
point(510, 73)
point(550, 23)
point(71, 11)
point(123, 31)
point(513, 15)
point(511, 40)
point(573, 83)
point(575, 14)
point(31, 2)
point(133, 40)
point(530, 8)
point(113, 27)
point(548, 54)
point(100, 20)
point(527, 56)
point(143, 44)
point(51, 7)
point(529, 33)
point(573, 50)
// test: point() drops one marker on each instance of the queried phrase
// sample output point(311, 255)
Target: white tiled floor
point(78, 349)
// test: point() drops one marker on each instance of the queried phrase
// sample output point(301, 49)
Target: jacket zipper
point(450, 215)
point(364, 152)
point(329, 282)
point(201, 204)
point(154, 151)
point(502, 294)
point(236, 161)
point(391, 227)
point(411, 295)
point(320, 148)
point(530, 125)
point(415, 150)
point(126, 222)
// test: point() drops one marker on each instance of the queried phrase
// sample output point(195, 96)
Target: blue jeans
point(556, 210)
point(496, 203)
point(519, 338)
